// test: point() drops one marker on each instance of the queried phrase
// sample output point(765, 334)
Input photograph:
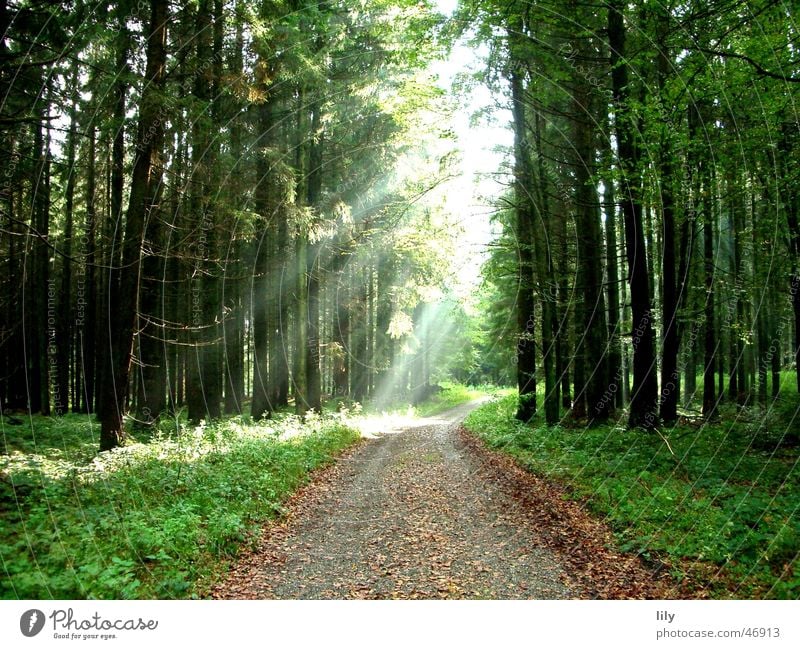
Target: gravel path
point(417, 513)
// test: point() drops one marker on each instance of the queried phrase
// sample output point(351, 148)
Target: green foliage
point(718, 506)
point(155, 519)
point(451, 395)
point(496, 336)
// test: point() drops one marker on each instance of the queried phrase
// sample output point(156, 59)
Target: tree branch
point(755, 64)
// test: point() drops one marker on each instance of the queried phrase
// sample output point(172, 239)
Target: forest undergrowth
point(152, 519)
point(715, 503)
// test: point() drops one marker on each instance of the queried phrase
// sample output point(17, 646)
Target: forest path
point(427, 512)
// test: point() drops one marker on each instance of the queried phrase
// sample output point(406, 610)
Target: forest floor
point(427, 511)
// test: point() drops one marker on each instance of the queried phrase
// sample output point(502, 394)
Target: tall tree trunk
point(279, 340)
point(64, 331)
point(685, 268)
point(670, 377)
point(644, 395)
point(145, 180)
point(775, 346)
point(705, 207)
point(13, 363)
point(790, 199)
point(341, 336)
point(151, 398)
point(301, 324)
point(760, 304)
point(735, 345)
point(612, 281)
point(384, 344)
point(261, 404)
point(86, 321)
point(548, 287)
point(233, 325)
point(625, 311)
point(369, 276)
point(523, 185)
point(39, 327)
point(114, 224)
point(358, 338)
point(233, 335)
point(564, 302)
point(212, 348)
point(313, 270)
point(204, 372)
point(175, 271)
point(592, 341)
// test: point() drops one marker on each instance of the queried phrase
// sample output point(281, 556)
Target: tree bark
point(525, 308)
point(670, 377)
point(644, 395)
point(612, 282)
point(112, 244)
point(705, 208)
point(313, 270)
point(261, 404)
point(65, 330)
point(86, 325)
point(146, 177)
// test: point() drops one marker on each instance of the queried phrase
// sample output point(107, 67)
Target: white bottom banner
point(355, 624)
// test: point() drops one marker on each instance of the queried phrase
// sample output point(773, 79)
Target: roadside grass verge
point(158, 518)
point(721, 512)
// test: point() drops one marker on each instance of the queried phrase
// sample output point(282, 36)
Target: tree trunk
point(261, 404)
point(43, 294)
point(592, 341)
point(87, 319)
point(564, 315)
point(790, 200)
point(313, 270)
point(523, 185)
point(705, 208)
point(64, 331)
point(110, 278)
point(279, 341)
point(384, 344)
point(734, 343)
point(775, 346)
point(670, 378)
point(548, 286)
point(13, 367)
point(212, 348)
point(358, 338)
point(233, 326)
point(301, 324)
point(125, 302)
point(644, 395)
point(340, 337)
point(612, 281)
point(233, 333)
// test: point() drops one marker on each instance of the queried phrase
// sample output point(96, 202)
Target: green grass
point(156, 519)
point(722, 512)
point(787, 387)
point(451, 395)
